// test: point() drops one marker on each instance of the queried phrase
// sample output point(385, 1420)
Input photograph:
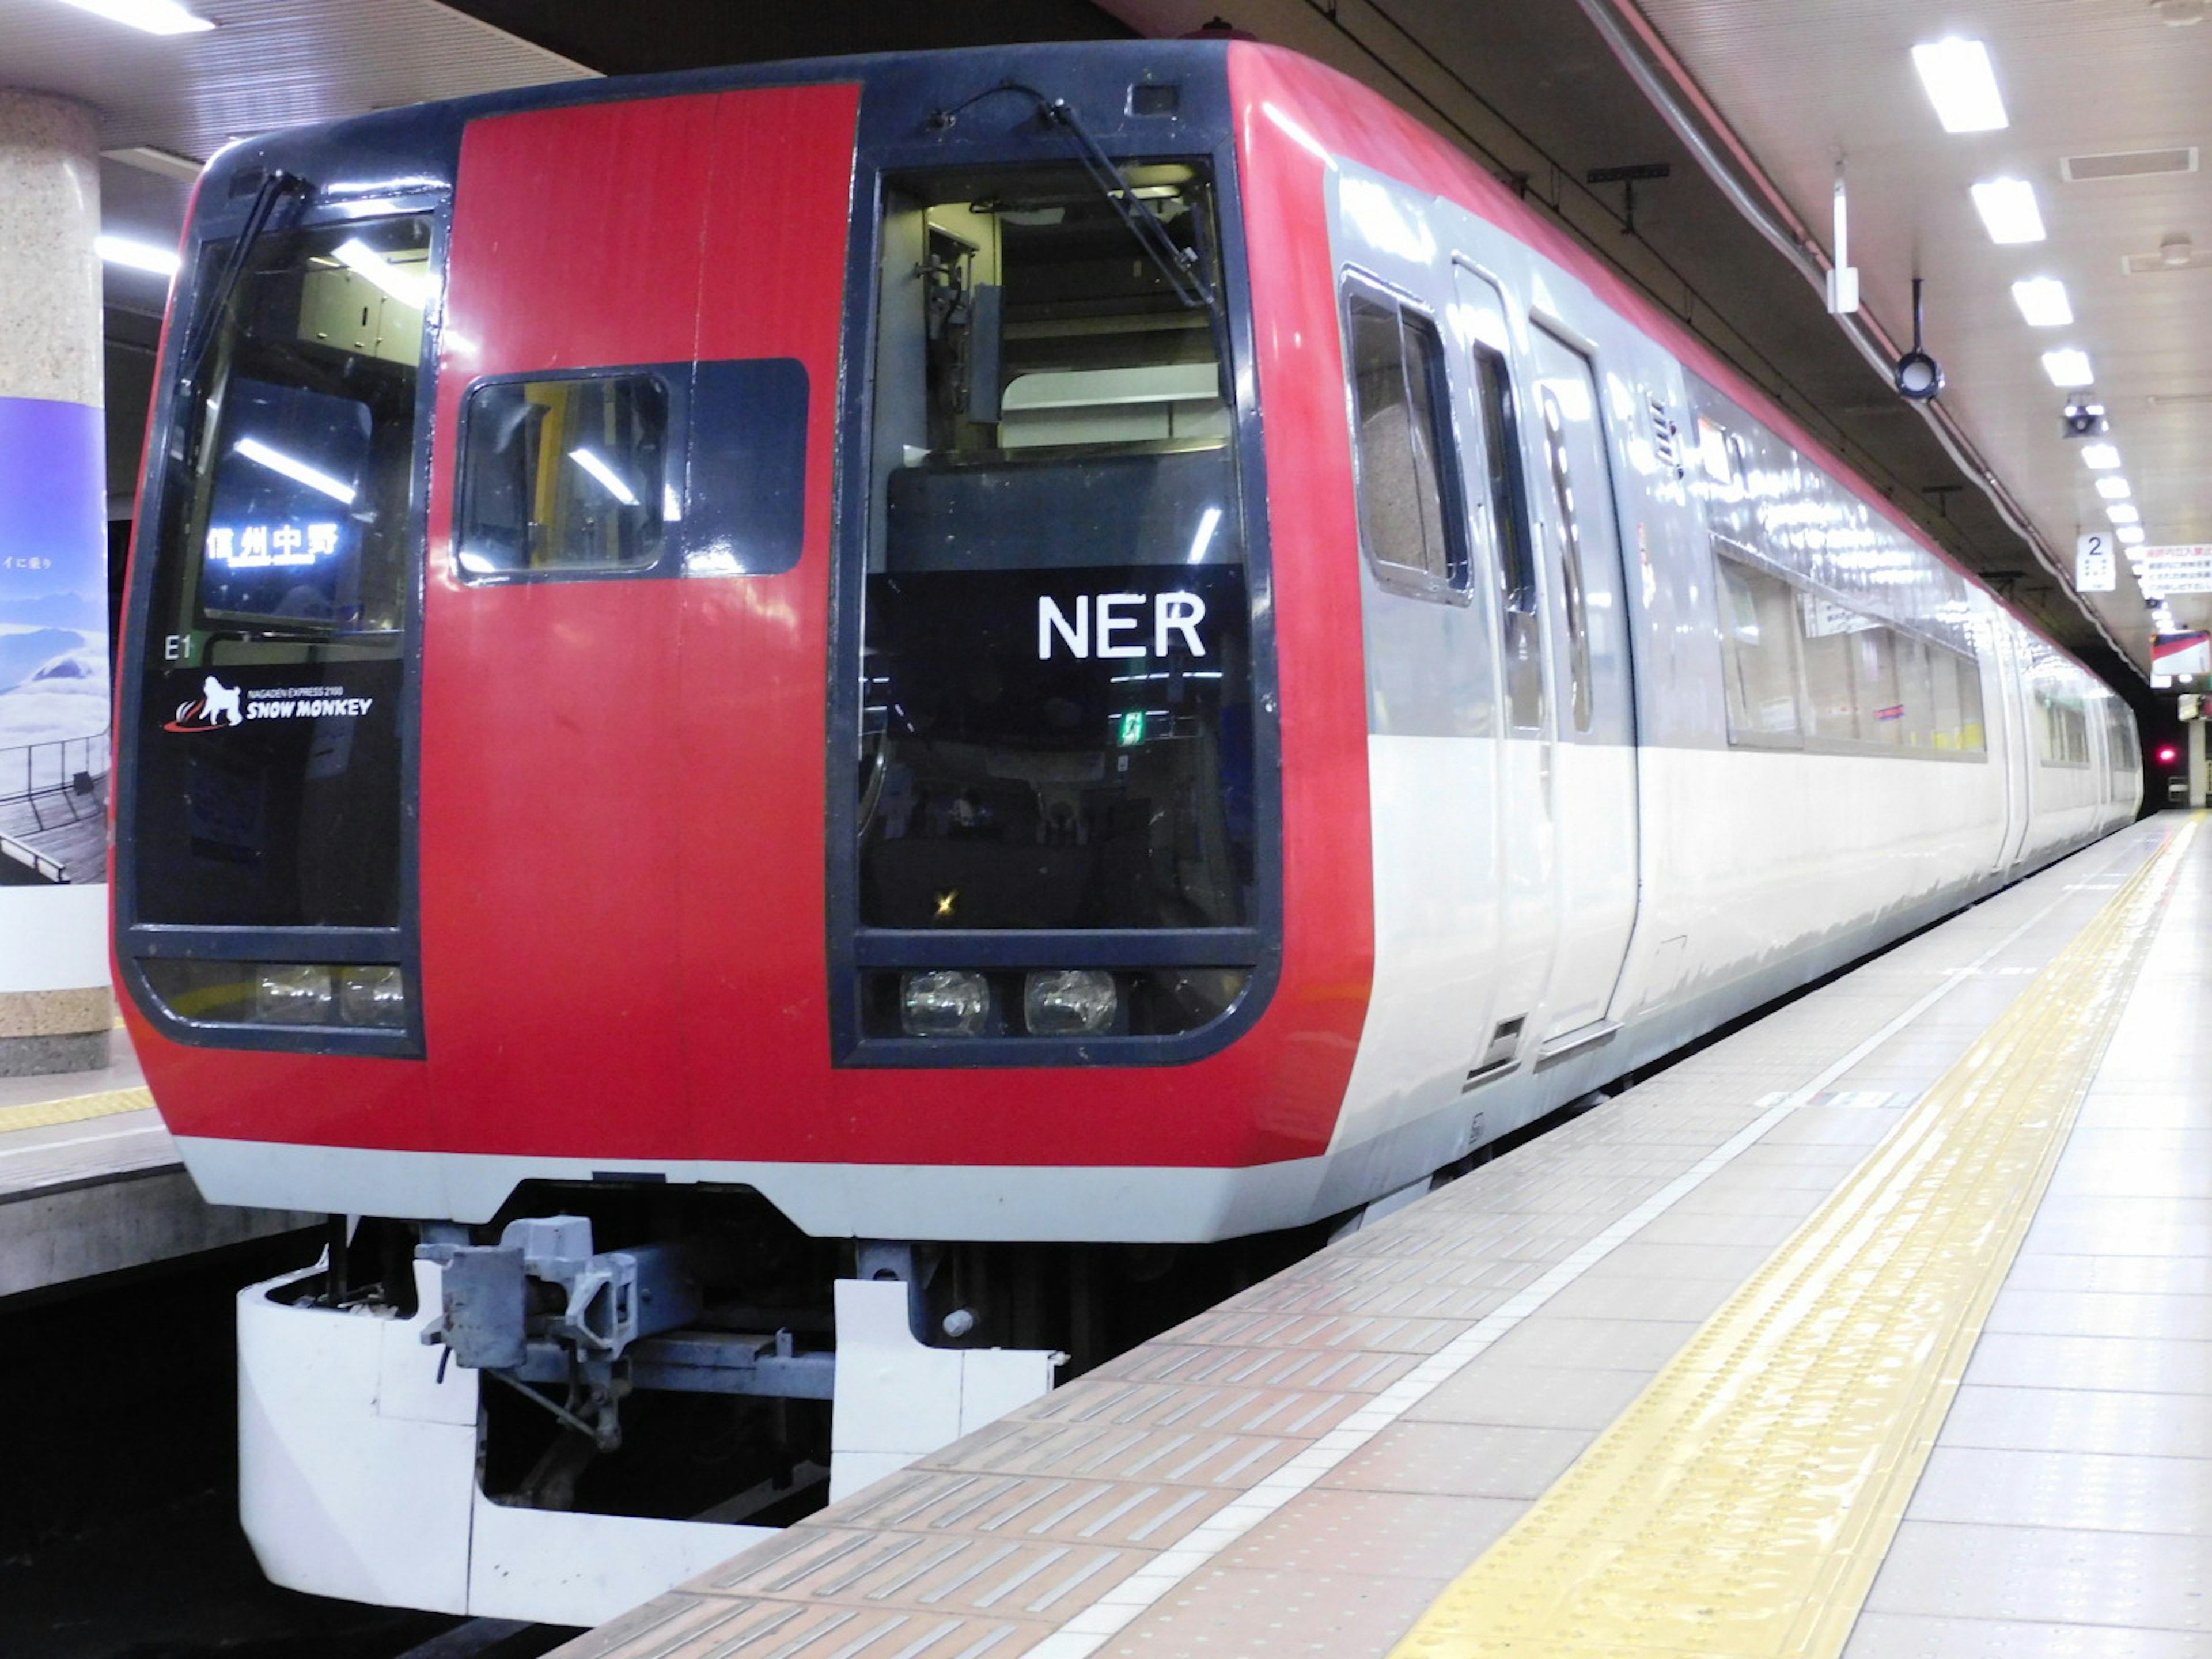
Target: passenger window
point(1970, 734)
point(1759, 646)
point(1831, 693)
point(565, 475)
point(1501, 518)
point(1403, 442)
point(1880, 700)
point(1947, 670)
point(2065, 728)
point(1570, 557)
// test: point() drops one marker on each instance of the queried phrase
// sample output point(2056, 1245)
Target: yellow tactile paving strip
point(1743, 1504)
point(44, 1114)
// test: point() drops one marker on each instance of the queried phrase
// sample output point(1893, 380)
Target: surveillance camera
point(2082, 419)
point(1917, 375)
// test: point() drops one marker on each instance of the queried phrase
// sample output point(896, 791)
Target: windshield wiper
point(207, 320)
point(1178, 266)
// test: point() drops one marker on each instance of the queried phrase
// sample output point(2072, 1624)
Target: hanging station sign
point(2094, 571)
point(2175, 654)
point(2183, 569)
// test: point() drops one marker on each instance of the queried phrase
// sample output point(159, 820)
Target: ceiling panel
point(266, 64)
point(1818, 80)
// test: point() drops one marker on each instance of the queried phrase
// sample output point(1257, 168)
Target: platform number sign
point(2094, 571)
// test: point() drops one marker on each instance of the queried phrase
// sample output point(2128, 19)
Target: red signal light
point(2168, 755)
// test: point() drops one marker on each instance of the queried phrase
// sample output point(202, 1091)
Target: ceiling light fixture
point(138, 256)
point(2123, 512)
point(155, 16)
point(2067, 367)
point(2100, 458)
point(2009, 210)
point(2042, 301)
point(2178, 13)
point(2131, 535)
point(1961, 84)
point(2114, 489)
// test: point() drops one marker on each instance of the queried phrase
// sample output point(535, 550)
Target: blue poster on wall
point(53, 642)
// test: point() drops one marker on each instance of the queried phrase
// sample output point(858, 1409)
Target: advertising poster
point(53, 645)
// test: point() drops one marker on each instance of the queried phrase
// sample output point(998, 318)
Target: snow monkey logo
point(216, 705)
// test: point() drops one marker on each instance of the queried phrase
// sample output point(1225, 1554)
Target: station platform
point(1882, 1327)
point(90, 1182)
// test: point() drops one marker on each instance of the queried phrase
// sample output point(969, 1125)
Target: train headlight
point(375, 994)
point(356, 996)
point(293, 994)
point(944, 1002)
point(1069, 1002)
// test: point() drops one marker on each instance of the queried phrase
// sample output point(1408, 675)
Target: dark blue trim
point(334, 944)
point(1163, 947)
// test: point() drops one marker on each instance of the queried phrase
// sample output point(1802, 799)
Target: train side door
point(1593, 747)
point(1522, 828)
point(2012, 741)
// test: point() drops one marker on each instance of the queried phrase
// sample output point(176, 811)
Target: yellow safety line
point(1742, 1505)
point(44, 1114)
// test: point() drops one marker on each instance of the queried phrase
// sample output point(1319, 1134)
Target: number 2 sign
point(2094, 563)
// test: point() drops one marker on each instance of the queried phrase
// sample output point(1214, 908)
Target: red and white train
point(932, 673)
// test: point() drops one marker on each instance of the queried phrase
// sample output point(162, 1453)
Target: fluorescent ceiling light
point(606, 475)
point(2067, 367)
point(2114, 489)
point(298, 471)
point(2101, 458)
point(138, 256)
point(155, 16)
point(2123, 512)
point(1208, 522)
point(2131, 534)
point(1961, 84)
point(2042, 302)
point(2007, 208)
point(407, 287)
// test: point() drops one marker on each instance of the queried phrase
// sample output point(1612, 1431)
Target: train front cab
point(527, 471)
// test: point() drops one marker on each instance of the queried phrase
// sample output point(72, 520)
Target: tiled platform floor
point(1304, 1468)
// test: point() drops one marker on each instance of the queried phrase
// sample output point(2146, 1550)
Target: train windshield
point(270, 734)
point(1057, 686)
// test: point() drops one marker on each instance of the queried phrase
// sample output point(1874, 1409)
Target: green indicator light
point(1133, 727)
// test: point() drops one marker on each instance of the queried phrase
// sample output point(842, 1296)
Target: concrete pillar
point(2196, 729)
point(56, 1009)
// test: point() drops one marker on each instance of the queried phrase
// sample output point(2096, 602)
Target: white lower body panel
point(357, 1460)
point(1132, 1204)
